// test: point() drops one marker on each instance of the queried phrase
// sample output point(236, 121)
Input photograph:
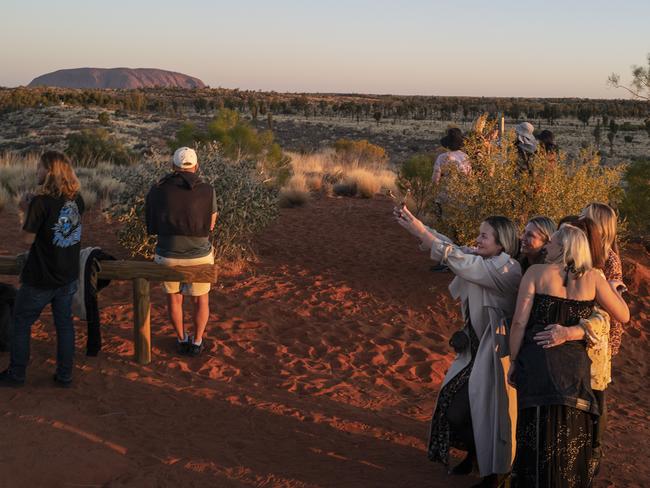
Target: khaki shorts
point(192, 289)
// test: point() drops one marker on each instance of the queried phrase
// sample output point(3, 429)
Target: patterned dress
point(556, 403)
point(614, 271)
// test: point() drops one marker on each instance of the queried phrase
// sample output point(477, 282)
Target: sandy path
point(322, 369)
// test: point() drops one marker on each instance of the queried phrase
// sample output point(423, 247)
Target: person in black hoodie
point(181, 209)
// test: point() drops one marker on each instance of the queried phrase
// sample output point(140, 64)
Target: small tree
point(416, 175)
point(377, 116)
point(584, 114)
point(104, 119)
point(640, 85)
point(597, 132)
point(91, 146)
point(611, 135)
point(239, 141)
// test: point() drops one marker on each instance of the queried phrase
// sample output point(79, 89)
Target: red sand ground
point(322, 369)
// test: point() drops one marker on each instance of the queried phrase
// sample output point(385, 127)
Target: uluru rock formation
point(116, 78)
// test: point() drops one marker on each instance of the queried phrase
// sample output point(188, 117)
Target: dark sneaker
point(439, 268)
point(182, 347)
point(195, 350)
point(62, 383)
point(8, 380)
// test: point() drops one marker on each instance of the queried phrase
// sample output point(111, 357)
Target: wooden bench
point(140, 273)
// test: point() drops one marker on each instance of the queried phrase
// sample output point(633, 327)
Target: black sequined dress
point(451, 425)
point(555, 401)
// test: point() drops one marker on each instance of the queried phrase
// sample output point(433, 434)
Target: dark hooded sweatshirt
point(178, 209)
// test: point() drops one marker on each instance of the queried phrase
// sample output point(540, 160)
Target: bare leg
point(201, 315)
point(175, 309)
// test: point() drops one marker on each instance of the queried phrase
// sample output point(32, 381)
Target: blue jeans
point(30, 302)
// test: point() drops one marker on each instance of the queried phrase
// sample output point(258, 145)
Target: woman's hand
point(415, 227)
point(511, 375)
point(552, 335)
point(618, 286)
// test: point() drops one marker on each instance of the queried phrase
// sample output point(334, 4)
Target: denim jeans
point(30, 302)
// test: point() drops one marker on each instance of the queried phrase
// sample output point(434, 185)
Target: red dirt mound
point(322, 370)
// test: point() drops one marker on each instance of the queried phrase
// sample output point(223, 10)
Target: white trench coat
point(487, 289)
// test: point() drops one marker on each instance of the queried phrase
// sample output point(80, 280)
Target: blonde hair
point(605, 218)
point(61, 180)
point(544, 225)
point(576, 256)
point(505, 234)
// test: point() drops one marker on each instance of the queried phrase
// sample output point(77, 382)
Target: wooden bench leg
point(142, 321)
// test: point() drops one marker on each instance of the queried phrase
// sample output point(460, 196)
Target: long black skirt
point(554, 448)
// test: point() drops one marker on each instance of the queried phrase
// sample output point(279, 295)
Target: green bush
point(104, 119)
point(635, 207)
point(416, 175)
point(239, 141)
point(554, 188)
point(91, 146)
point(246, 205)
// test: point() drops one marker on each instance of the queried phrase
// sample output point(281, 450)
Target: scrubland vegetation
point(233, 131)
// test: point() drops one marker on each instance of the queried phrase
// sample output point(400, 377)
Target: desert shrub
point(18, 173)
point(360, 152)
point(367, 183)
point(323, 172)
point(496, 187)
point(345, 188)
point(635, 206)
point(18, 176)
point(5, 198)
point(239, 141)
point(104, 119)
point(89, 197)
point(628, 139)
point(416, 175)
point(295, 193)
point(245, 203)
point(90, 146)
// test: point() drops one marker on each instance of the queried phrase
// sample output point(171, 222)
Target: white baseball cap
point(185, 157)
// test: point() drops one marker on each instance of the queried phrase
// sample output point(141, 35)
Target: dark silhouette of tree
point(584, 114)
point(611, 135)
point(597, 133)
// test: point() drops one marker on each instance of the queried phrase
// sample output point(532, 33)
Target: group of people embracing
point(543, 313)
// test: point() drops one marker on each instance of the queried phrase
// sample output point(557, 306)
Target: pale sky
point(411, 47)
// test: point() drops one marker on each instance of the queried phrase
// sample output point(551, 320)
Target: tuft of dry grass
point(4, 198)
point(323, 172)
point(18, 176)
point(296, 192)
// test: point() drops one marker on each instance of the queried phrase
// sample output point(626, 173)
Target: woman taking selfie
point(476, 408)
point(550, 366)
